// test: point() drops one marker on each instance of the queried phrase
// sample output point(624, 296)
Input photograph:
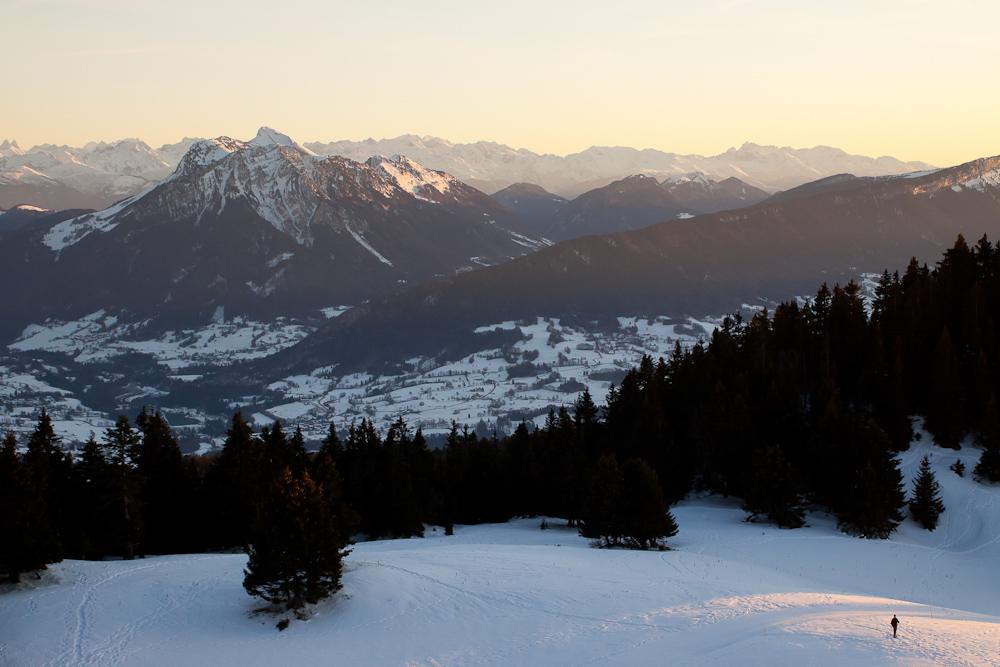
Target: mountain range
point(99, 174)
point(708, 264)
point(263, 228)
point(491, 166)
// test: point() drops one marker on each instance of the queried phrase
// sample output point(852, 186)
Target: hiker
point(894, 622)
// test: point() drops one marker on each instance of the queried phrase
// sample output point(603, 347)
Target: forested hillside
point(803, 407)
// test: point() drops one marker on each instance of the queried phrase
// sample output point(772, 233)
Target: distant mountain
point(100, 174)
point(491, 166)
point(532, 202)
point(631, 203)
point(10, 149)
point(15, 218)
point(24, 220)
point(710, 264)
point(264, 228)
point(701, 194)
point(95, 176)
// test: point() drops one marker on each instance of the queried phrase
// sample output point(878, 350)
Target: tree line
point(805, 407)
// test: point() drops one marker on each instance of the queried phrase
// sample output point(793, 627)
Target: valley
point(548, 366)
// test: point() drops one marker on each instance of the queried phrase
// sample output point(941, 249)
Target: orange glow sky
point(915, 79)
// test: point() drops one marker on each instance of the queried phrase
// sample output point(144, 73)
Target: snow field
point(729, 593)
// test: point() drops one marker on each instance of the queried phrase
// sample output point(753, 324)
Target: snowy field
point(729, 593)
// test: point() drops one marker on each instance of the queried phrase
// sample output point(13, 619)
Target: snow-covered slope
point(729, 593)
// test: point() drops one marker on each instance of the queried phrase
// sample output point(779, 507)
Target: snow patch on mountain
point(207, 151)
point(690, 177)
point(990, 179)
point(411, 177)
point(367, 246)
point(74, 230)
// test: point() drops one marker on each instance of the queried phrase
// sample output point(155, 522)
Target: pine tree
point(51, 472)
point(167, 490)
point(625, 506)
point(96, 512)
point(945, 410)
point(775, 490)
point(601, 519)
point(233, 484)
point(24, 542)
point(297, 550)
point(872, 507)
point(121, 447)
point(646, 521)
point(926, 505)
point(988, 467)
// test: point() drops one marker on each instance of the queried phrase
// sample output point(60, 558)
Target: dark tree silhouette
point(926, 505)
point(297, 550)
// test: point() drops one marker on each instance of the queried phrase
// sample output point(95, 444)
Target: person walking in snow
point(894, 622)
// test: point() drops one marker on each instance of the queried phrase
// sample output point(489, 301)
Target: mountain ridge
point(709, 264)
point(101, 173)
point(263, 227)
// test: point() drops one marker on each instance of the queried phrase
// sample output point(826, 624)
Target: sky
point(915, 79)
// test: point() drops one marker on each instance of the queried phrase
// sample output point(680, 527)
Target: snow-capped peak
point(411, 176)
point(269, 137)
point(209, 151)
point(690, 177)
point(10, 149)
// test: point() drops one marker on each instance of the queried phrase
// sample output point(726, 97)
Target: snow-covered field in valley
point(728, 593)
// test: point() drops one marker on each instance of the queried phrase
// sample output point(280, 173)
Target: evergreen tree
point(234, 483)
point(646, 521)
point(873, 505)
point(601, 520)
point(625, 506)
point(775, 490)
point(988, 466)
point(121, 448)
point(324, 472)
point(926, 505)
point(96, 512)
point(24, 539)
point(945, 409)
point(297, 550)
point(51, 472)
point(167, 489)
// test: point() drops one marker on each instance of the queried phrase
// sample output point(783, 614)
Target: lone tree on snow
point(298, 542)
point(626, 506)
point(926, 505)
